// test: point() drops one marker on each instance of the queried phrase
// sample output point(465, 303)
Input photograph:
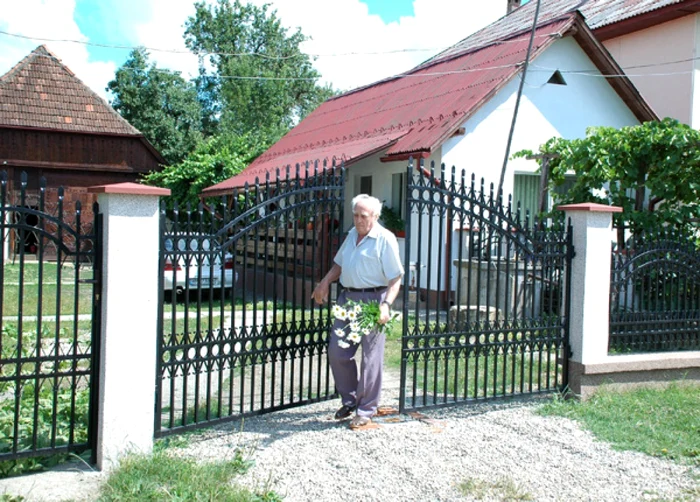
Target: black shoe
point(344, 412)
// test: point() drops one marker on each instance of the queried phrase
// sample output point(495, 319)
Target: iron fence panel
point(485, 308)
point(655, 294)
point(49, 326)
point(238, 333)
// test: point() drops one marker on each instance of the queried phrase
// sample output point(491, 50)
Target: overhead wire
point(533, 66)
point(437, 50)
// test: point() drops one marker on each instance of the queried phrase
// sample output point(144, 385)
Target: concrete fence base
point(631, 371)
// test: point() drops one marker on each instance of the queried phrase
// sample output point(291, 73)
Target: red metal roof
point(407, 114)
point(333, 153)
point(415, 112)
point(41, 92)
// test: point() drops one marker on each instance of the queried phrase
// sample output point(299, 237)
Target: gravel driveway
point(497, 451)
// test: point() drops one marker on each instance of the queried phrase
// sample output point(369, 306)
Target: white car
point(200, 274)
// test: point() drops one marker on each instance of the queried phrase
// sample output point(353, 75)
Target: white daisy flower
point(355, 337)
point(340, 333)
point(343, 344)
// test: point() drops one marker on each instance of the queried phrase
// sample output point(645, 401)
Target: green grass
point(659, 422)
point(6, 497)
point(49, 292)
point(50, 274)
point(162, 476)
point(392, 347)
point(49, 271)
point(458, 377)
point(493, 489)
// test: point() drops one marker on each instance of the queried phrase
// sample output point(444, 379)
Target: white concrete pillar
point(589, 314)
point(129, 316)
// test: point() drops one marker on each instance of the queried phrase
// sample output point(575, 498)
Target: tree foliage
point(159, 103)
point(255, 76)
point(254, 84)
point(651, 171)
point(213, 161)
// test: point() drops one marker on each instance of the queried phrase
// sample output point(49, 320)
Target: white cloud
point(164, 30)
point(354, 48)
point(50, 19)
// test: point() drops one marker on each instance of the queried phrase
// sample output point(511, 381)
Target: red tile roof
point(41, 92)
point(415, 113)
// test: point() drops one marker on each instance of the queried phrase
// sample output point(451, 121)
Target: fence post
point(589, 312)
point(128, 332)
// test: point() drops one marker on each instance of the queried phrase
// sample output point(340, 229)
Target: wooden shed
point(54, 126)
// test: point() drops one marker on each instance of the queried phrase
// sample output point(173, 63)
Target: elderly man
point(369, 268)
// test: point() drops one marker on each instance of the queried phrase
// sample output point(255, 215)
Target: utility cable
point(517, 100)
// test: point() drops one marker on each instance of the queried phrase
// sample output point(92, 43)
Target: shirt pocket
point(369, 255)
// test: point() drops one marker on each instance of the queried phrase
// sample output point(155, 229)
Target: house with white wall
point(456, 108)
point(656, 42)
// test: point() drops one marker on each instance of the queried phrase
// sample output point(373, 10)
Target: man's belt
point(366, 290)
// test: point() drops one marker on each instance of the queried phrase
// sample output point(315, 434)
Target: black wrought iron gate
point(238, 333)
point(485, 303)
point(49, 300)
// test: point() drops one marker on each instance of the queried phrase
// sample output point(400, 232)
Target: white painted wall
point(695, 106)
point(668, 88)
point(546, 110)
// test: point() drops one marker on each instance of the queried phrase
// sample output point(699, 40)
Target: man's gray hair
point(374, 204)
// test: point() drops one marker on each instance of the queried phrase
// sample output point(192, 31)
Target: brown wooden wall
point(71, 159)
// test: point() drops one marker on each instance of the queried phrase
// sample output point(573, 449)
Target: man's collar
point(374, 232)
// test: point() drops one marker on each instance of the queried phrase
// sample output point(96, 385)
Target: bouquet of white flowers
point(362, 318)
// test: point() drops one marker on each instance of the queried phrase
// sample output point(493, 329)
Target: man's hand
point(384, 313)
point(320, 293)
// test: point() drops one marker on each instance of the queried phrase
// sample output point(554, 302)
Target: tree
point(213, 161)
point(655, 163)
point(261, 79)
point(159, 103)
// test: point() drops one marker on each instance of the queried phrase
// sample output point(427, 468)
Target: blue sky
point(354, 43)
point(390, 10)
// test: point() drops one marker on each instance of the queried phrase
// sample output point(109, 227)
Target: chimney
point(512, 5)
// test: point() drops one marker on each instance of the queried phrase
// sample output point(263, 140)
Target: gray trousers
point(363, 390)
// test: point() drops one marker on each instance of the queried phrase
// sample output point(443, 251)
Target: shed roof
point(414, 113)
point(41, 92)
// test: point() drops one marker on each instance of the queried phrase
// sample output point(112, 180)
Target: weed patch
point(161, 476)
point(659, 422)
